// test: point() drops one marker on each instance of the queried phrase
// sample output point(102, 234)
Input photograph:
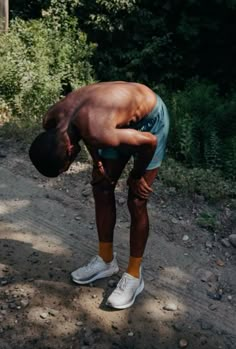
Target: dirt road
point(47, 229)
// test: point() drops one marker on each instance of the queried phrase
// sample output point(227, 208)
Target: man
point(115, 120)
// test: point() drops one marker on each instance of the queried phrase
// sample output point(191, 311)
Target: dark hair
point(46, 154)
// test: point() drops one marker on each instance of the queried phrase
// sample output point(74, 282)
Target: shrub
point(209, 183)
point(207, 220)
point(203, 127)
point(38, 61)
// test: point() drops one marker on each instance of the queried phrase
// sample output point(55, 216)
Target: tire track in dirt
point(37, 218)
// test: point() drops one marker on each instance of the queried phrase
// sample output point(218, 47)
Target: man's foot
point(126, 291)
point(94, 270)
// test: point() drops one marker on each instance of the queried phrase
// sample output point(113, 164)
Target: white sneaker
point(126, 291)
point(94, 270)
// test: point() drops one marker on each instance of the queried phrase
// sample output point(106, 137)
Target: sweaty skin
point(102, 115)
point(100, 112)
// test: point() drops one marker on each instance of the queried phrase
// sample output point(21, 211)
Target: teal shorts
point(157, 123)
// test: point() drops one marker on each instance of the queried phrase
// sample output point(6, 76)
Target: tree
point(4, 15)
point(162, 41)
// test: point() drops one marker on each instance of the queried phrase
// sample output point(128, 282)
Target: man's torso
point(103, 105)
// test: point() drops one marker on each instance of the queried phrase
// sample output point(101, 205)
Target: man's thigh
point(114, 167)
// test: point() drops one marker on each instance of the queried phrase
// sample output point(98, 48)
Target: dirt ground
point(47, 229)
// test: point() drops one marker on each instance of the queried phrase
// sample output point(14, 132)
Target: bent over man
point(116, 121)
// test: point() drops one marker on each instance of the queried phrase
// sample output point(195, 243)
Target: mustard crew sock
point(106, 251)
point(134, 265)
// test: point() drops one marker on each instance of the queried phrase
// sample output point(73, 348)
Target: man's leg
point(103, 265)
point(139, 229)
point(131, 284)
point(105, 207)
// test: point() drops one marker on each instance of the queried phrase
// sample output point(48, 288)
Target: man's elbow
point(154, 141)
point(151, 140)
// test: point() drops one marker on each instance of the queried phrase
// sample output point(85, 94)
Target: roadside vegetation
point(186, 56)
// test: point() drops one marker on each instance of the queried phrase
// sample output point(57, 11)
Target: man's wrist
point(97, 164)
point(136, 175)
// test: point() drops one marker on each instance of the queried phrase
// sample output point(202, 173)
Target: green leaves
point(39, 63)
point(203, 127)
point(209, 183)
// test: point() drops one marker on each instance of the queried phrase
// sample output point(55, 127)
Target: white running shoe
point(126, 291)
point(94, 270)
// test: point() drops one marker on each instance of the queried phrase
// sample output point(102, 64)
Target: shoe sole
point(124, 306)
point(102, 275)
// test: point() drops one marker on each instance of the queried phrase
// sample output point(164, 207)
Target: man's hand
point(139, 187)
point(99, 174)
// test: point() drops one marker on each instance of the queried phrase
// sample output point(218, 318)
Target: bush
point(203, 127)
point(209, 183)
point(39, 60)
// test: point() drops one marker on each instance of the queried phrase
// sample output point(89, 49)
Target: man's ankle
point(106, 251)
point(134, 266)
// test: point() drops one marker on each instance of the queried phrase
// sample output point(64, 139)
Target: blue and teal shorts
point(157, 123)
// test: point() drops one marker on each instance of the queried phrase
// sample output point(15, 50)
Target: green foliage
point(150, 41)
point(203, 127)
point(164, 41)
point(129, 36)
point(209, 183)
point(32, 9)
point(154, 42)
point(39, 61)
point(207, 220)
point(26, 9)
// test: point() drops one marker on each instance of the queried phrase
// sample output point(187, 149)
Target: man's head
point(52, 152)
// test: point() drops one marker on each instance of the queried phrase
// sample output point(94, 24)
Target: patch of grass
point(207, 220)
point(15, 128)
point(209, 183)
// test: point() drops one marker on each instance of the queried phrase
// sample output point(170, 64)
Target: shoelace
point(121, 284)
point(89, 266)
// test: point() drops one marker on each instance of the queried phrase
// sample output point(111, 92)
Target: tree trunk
point(4, 15)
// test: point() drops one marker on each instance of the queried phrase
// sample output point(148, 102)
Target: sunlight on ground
point(78, 167)
point(22, 289)
point(177, 275)
point(11, 206)
point(5, 268)
point(59, 328)
point(41, 242)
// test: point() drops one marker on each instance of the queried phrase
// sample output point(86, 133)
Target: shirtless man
point(115, 120)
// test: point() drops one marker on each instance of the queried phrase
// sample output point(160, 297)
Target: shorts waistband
point(157, 107)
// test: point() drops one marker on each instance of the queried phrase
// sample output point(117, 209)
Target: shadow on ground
point(44, 235)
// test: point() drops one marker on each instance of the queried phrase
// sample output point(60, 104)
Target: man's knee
point(103, 188)
point(136, 204)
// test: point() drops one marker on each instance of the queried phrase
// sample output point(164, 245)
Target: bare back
point(114, 103)
point(100, 107)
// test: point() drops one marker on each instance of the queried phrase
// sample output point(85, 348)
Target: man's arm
point(98, 173)
point(93, 151)
point(49, 120)
point(143, 143)
point(58, 116)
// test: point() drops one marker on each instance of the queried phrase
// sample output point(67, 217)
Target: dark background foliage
point(184, 49)
point(154, 41)
point(163, 41)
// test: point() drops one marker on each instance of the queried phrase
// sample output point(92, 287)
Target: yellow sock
point(106, 251)
point(134, 265)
